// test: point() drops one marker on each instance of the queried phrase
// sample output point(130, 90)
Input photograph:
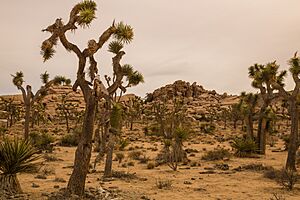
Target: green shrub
point(42, 141)
point(70, 139)
point(244, 147)
point(207, 128)
point(123, 143)
point(216, 154)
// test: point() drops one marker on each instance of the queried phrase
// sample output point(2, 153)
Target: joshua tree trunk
point(249, 126)
point(83, 152)
point(293, 145)
point(10, 184)
point(261, 131)
point(109, 157)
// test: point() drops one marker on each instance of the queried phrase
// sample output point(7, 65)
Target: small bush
point(151, 165)
point(207, 128)
point(131, 164)
point(42, 141)
point(60, 180)
point(287, 178)
point(135, 155)
point(120, 156)
point(257, 167)
point(70, 139)
point(271, 174)
point(163, 184)
point(123, 143)
point(216, 154)
point(144, 159)
point(124, 175)
point(244, 147)
point(51, 158)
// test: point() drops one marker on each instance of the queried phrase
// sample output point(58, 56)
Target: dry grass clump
point(163, 184)
point(216, 154)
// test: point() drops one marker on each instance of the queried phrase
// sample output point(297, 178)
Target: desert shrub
point(277, 197)
point(207, 128)
point(216, 154)
point(70, 139)
point(257, 167)
point(244, 147)
point(287, 178)
point(16, 156)
point(42, 141)
point(120, 156)
point(271, 173)
point(51, 158)
point(144, 159)
point(124, 175)
point(123, 143)
point(163, 184)
point(135, 155)
point(152, 130)
point(60, 180)
point(46, 170)
point(131, 164)
point(151, 165)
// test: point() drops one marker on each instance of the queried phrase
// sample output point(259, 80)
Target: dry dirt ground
point(188, 182)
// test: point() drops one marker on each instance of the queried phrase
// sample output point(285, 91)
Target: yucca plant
point(244, 147)
point(16, 156)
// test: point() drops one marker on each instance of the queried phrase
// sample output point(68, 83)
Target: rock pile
point(199, 101)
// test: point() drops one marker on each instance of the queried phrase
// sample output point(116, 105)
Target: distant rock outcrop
point(198, 100)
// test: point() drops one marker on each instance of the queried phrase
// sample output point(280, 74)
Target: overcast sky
point(212, 42)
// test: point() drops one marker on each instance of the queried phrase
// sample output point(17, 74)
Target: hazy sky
point(212, 42)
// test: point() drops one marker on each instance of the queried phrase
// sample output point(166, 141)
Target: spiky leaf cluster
point(18, 78)
point(44, 77)
point(265, 74)
point(47, 50)
point(17, 156)
point(124, 33)
point(86, 13)
point(135, 78)
point(59, 80)
point(294, 64)
point(115, 47)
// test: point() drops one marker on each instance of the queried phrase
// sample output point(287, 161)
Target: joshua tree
point(82, 15)
point(249, 102)
point(291, 98)
point(28, 97)
point(224, 115)
point(262, 76)
point(16, 156)
point(134, 108)
point(61, 80)
point(38, 113)
point(13, 111)
point(235, 113)
point(66, 109)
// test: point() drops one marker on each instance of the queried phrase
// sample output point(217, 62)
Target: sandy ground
point(187, 182)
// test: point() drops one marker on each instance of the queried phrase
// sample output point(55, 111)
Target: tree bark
point(109, 157)
point(293, 144)
point(27, 120)
point(76, 183)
